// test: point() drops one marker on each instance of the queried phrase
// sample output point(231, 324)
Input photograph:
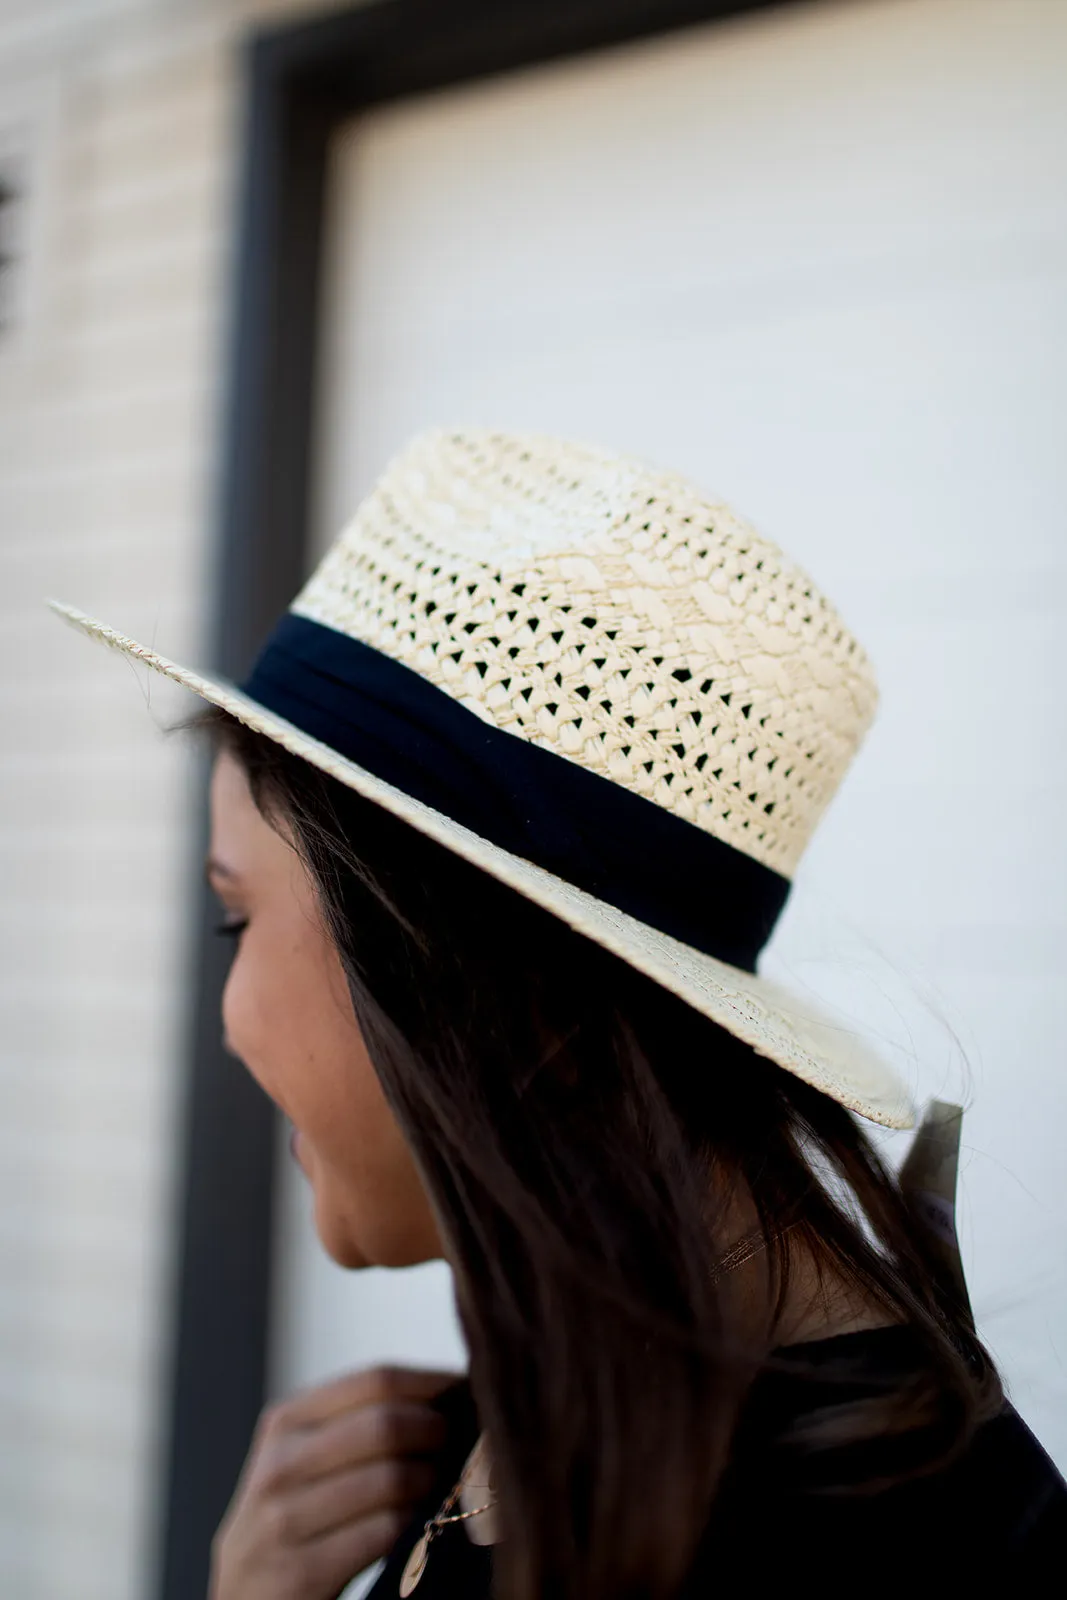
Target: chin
point(354, 1255)
point(339, 1242)
point(346, 1254)
point(354, 1251)
point(368, 1231)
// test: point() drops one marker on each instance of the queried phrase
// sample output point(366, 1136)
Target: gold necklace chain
point(737, 1256)
point(415, 1565)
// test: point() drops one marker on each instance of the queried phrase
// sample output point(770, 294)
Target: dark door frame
point(300, 82)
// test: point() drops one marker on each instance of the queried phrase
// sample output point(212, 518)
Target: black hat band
point(538, 805)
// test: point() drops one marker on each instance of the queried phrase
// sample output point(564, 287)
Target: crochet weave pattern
point(598, 607)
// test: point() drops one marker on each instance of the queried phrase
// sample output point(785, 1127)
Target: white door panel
point(817, 260)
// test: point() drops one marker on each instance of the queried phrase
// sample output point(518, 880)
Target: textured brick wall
point(119, 114)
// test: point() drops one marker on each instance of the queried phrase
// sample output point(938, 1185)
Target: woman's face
point(287, 1015)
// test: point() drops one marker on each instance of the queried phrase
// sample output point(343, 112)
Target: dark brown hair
point(582, 1134)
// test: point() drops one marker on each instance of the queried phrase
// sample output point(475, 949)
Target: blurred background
point(814, 255)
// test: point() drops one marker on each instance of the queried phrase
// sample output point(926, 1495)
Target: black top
point(998, 1512)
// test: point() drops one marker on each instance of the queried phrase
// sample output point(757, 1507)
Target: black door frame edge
point(300, 82)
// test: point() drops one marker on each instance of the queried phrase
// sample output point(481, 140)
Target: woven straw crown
point(610, 614)
point(607, 611)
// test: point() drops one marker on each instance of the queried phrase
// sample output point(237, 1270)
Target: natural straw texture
point(605, 610)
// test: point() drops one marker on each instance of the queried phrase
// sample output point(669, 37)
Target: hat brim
point(784, 1028)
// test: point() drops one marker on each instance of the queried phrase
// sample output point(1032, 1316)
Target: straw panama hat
point(659, 701)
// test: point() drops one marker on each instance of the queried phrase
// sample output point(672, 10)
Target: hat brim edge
point(821, 1051)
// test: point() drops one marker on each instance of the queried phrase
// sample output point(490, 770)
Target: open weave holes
point(607, 611)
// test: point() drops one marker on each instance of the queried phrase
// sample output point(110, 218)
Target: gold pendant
point(414, 1566)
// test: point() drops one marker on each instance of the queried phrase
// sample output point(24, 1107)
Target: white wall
point(817, 260)
point(118, 113)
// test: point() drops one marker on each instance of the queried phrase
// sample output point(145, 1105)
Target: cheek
point(287, 1015)
point(370, 1205)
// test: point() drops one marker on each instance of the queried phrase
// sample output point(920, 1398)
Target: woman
point(501, 822)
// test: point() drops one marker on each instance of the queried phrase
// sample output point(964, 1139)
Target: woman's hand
point(330, 1482)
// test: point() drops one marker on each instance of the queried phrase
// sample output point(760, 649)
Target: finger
point(371, 1386)
point(314, 1510)
point(373, 1433)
